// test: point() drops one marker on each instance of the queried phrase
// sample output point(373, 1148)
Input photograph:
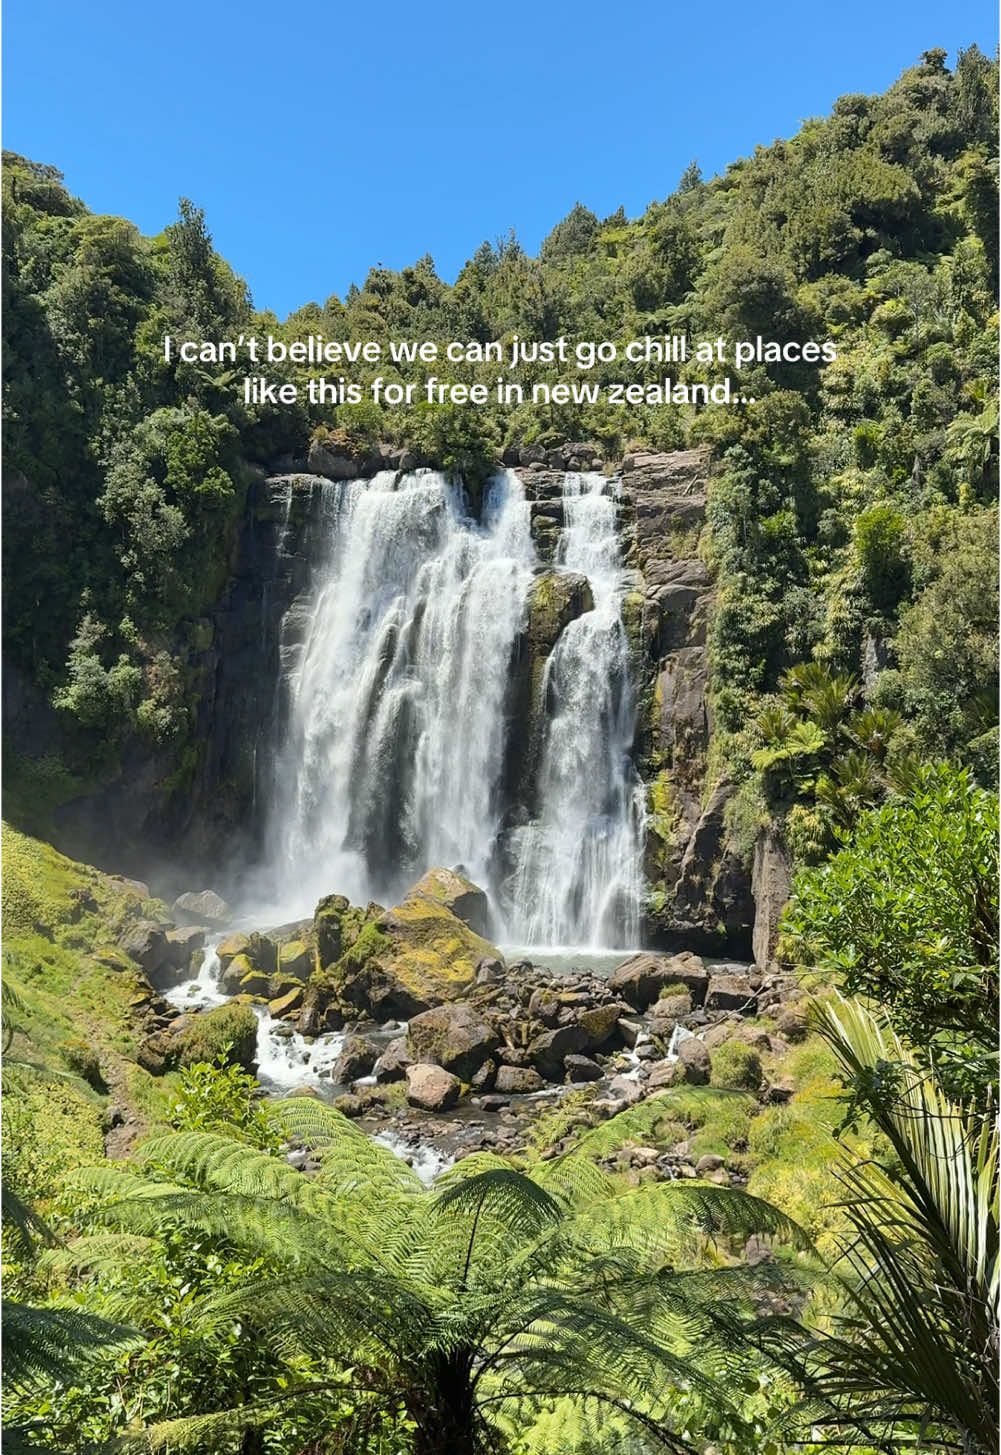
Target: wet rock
point(357, 1059)
point(555, 600)
point(203, 907)
point(432, 1088)
point(393, 1063)
point(518, 1080)
point(459, 894)
point(582, 1068)
point(771, 882)
point(494, 1103)
point(453, 1036)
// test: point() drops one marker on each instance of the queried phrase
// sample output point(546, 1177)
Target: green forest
point(825, 1275)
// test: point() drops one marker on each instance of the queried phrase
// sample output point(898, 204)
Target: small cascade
point(286, 1060)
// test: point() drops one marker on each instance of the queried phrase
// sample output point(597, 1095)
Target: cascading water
point(398, 731)
point(577, 880)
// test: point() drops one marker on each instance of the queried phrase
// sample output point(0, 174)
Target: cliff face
point(215, 813)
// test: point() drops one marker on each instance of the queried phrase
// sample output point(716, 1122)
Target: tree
point(475, 1302)
point(913, 1352)
point(907, 915)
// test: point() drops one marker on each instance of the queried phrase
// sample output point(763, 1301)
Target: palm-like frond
point(916, 1346)
point(54, 1342)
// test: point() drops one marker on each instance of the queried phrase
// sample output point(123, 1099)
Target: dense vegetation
point(200, 1293)
point(851, 507)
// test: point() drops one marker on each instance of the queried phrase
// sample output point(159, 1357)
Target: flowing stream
point(400, 722)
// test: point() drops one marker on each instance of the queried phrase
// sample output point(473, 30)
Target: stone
point(792, 1024)
point(254, 983)
point(459, 894)
point(548, 1050)
point(599, 1024)
point(771, 884)
point(295, 958)
point(494, 1103)
point(349, 1105)
point(431, 1088)
point(404, 961)
point(203, 907)
point(631, 1031)
point(183, 943)
point(392, 1064)
point(665, 1073)
point(488, 971)
point(731, 992)
point(554, 600)
point(695, 1061)
point(233, 945)
point(641, 978)
point(286, 1004)
point(357, 1059)
point(484, 1078)
point(544, 1006)
point(582, 1068)
point(518, 1080)
point(454, 1036)
point(708, 1163)
point(146, 944)
point(327, 462)
point(624, 1089)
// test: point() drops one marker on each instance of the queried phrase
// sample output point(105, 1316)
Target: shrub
point(736, 1066)
point(229, 1031)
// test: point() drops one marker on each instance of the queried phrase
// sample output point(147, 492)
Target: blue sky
point(322, 138)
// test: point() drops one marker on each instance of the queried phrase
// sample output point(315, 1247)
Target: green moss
point(736, 1066)
point(233, 1026)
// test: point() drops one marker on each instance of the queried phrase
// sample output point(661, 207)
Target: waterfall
point(398, 736)
point(578, 879)
point(396, 728)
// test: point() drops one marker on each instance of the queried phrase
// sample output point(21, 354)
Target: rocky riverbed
point(413, 1023)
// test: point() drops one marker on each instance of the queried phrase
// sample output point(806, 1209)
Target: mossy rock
point(403, 962)
point(255, 982)
point(233, 1026)
point(296, 959)
point(555, 599)
point(233, 973)
point(288, 1003)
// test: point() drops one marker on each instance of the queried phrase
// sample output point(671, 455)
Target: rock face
point(771, 882)
point(452, 1036)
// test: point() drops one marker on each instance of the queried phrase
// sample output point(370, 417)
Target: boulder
point(404, 961)
point(625, 1089)
point(432, 1088)
point(599, 1024)
point(295, 958)
point(203, 907)
point(357, 1059)
point(182, 943)
point(452, 889)
point(695, 1061)
point(582, 1068)
point(392, 1064)
point(642, 977)
point(665, 1073)
point(146, 944)
point(517, 1080)
point(287, 1004)
point(731, 991)
point(327, 462)
point(556, 598)
point(453, 1036)
point(336, 925)
point(548, 1050)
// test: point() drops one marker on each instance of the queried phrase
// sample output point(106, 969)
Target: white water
point(578, 865)
point(285, 1062)
point(396, 732)
point(394, 759)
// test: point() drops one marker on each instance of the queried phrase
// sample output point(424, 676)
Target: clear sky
point(322, 138)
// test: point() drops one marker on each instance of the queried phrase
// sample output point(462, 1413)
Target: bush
point(736, 1066)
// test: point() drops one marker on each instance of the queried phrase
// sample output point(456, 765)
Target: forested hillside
point(362, 1181)
point(850, 518)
